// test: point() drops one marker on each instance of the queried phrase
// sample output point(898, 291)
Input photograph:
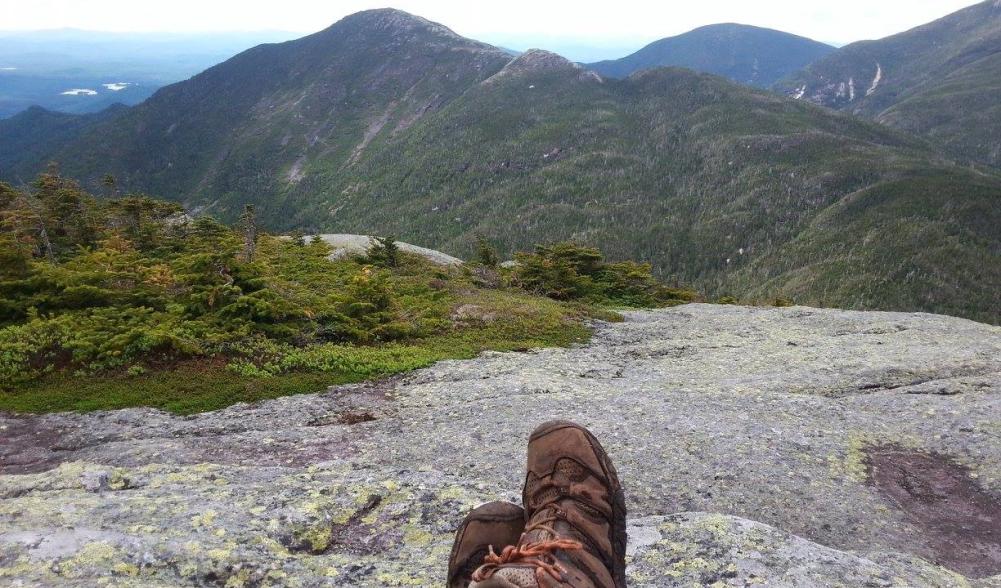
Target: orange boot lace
point(536, 553)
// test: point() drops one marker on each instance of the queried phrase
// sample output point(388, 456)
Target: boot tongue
point(537, 536)
point(563, 529)
point(522, 577)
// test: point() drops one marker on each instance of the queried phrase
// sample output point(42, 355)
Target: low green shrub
point(102, 298)
point(566, 271)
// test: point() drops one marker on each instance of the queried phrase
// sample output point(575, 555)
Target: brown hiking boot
point(576, 530)
point(491, 527)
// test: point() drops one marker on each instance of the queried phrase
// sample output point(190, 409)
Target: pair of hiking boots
point(571, 532)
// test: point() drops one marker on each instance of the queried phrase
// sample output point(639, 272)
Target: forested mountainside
point(941, 80)
point(260, 120)
point(745, 54)
point(28, 138)
point(735, 190)
point(387, 123)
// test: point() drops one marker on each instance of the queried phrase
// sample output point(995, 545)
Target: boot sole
point(618, 495)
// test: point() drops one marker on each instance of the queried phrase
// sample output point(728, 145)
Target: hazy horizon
point(586, 32)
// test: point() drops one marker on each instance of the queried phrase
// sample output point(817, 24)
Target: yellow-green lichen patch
point(95, 555)
point(222, 553)
point(22, 566)
point(204, 519)
point(401, 579)
point(238, 580)
point(416, 537)
point(125, 569)
point(314, 538)
point(851, 465)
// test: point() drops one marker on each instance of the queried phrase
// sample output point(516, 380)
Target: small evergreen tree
point(23, 218)
point(566, 271)
point(69, 216)
point(110, 184)
point(248, 224)
point(486, 253)
point(384, 252)
point(15, 258)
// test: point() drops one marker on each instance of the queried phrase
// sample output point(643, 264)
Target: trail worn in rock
point(781, 447)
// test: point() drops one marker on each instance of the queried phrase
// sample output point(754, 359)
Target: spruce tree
point(385, 252)
point(248, 224)
point(486, 253)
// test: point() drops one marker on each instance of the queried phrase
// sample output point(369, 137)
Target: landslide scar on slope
point(960, 520)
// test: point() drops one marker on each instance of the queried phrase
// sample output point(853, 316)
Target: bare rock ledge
point(775, 447)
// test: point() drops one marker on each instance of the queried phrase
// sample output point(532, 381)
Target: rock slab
point(347, 245)
point(778, 447)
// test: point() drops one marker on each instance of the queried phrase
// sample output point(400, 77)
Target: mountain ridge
point(37, 132)
point(195, 134)
point(746, 54)
point(405, 130)
point(541, 60)
point(939, 80)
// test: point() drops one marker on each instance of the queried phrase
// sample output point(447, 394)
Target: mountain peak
point(395, 21)
point(389, 17)
point(382, 25)
point(537, 61)
point(745, 54)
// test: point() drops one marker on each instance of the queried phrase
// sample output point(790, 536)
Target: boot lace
point(535, 553)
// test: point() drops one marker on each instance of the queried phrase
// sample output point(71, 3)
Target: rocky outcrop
point(780, 447)
point(535, 62)
point(345, 245)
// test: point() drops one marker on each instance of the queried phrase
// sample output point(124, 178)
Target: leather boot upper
point(575, 534)
point(494, 525)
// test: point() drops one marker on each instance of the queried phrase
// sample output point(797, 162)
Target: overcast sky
point(606, 25)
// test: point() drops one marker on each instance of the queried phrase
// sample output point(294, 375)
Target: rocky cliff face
point(784, 447)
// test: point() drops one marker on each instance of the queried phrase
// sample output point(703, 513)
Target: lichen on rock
point(746, 460)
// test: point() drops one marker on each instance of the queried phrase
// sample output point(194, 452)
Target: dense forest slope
point(718, 185)
point(745, 54)
point(942, 80)
point(387, 123)
point(28, 138)
point(259, 122)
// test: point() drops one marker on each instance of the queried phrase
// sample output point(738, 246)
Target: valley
point(280, 309)
point(415, 131)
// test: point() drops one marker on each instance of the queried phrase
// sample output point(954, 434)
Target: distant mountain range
point(86, 71)
point(78, 94)
point(748, 55)
point(388, 123)
point(941, 80)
